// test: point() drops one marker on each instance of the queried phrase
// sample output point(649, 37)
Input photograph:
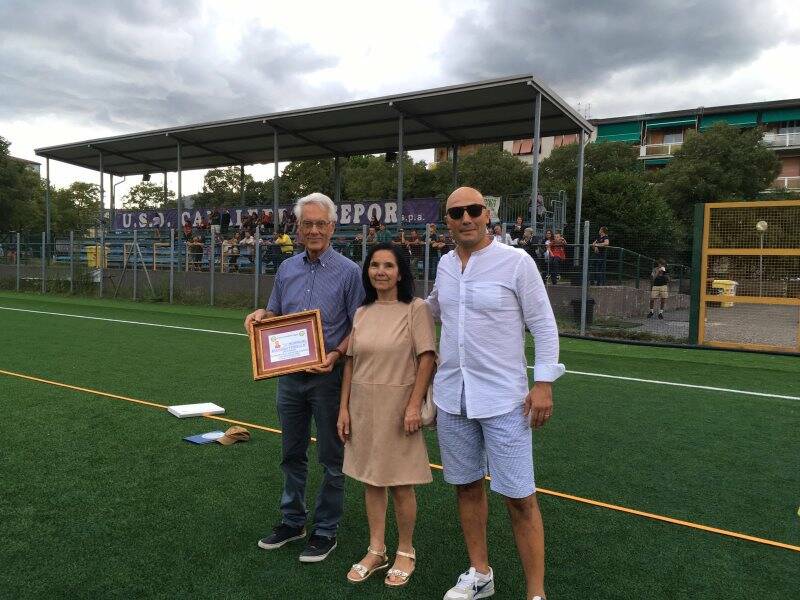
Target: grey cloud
point(147, 64)
point(575, 45)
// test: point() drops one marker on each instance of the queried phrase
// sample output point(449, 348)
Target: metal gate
point(750, 276)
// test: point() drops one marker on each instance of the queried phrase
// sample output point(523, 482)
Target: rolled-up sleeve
point(538, 316)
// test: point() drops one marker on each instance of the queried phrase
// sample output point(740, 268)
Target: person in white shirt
point(501, 238)
point(485, 294)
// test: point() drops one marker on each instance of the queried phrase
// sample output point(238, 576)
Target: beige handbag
point(428, 411)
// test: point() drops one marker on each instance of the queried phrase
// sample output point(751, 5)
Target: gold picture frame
point(287, 344)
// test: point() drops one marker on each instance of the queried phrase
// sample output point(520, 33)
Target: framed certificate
point(287, 344)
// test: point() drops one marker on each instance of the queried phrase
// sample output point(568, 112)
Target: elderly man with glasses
point(486, 293)
point(318, 278)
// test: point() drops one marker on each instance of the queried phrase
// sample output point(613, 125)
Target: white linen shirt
point(483, 312)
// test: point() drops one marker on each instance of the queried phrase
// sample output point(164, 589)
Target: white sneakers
point(471, 586)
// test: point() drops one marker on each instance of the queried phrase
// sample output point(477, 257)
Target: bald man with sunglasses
point(485, 295)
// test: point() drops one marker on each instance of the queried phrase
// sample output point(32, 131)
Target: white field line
point(587, 374)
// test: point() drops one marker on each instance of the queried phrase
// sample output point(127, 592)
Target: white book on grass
point(195, 410)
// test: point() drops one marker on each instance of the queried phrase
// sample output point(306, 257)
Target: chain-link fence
point(238, 270)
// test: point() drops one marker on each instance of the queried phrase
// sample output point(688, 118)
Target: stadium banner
point(416, 210)
point(493, 204)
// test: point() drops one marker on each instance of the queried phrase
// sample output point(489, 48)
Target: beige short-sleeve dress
point(378, 451)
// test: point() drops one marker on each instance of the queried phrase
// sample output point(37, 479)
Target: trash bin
point(93, 258)
point(726, 287)
point(576, 310)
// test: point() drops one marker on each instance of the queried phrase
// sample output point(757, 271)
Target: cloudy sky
point(80, 69)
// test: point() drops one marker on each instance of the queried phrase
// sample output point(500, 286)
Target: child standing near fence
point(660, 289)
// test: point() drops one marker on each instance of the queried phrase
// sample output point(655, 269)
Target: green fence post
point(697, 261)
point(638, 263)
point(621, 261)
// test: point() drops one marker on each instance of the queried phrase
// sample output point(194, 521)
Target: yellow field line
point(580, 499)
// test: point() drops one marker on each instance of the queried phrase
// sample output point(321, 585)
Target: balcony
point(653, 150)
point(787, 183)
point(782, 140)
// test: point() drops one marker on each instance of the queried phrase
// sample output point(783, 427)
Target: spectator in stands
point(11, 255)
point(318, 278)
point(438, 248)
point(540, 210)
point(501, 238)
point(214, 218)
point(230, 252)
point(290, 222)
point(285, 242)
point(187, 229)
point(557, 250)
point(224, 222)
point(530, 244)
point(374, 223)
point(266, 224)
point(205, 224)
point(384, 235)
point(545, 252)
point(660, 290)
point(195, 247)
point(247, 246)
point(517, 231)
point(600, 247)
point(155, 225)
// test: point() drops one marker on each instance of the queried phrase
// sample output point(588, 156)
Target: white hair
point(319, 199)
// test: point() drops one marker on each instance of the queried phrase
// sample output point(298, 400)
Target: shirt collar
point(324, 258)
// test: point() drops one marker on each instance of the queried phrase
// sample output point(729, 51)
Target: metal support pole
point(337, 180)
point(171, 264)
point(427, 264)
point(47, 199)
point(179, 199)
point(579, 189)
point(400, 172)
point(503, 230)
point(71, 262)
point(134, 253)
point(276, 189)
point(44, 262)
point(537, 131)
point(363, 244)
point(166, 192)
point(112, 190)
point(257, 279)
point(455, 166)
point(102, 194)
point(585, 278)
point(102, 254)
point(761, 265)
point(212, 251)
point(19, 258)
point(241, 183)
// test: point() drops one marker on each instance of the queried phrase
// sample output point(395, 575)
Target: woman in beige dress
point(390, 362)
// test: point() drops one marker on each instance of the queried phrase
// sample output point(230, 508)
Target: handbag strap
point(410, 321)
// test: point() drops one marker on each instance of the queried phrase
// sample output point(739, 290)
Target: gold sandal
point(365, 572)
point(401, 575)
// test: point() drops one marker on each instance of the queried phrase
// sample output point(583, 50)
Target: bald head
point(464, 196)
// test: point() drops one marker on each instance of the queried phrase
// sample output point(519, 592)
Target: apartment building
point(658, 135)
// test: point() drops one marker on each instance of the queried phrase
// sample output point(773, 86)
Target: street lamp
point(761, 228)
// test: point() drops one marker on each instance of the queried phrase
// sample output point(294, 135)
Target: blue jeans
point(301, 396)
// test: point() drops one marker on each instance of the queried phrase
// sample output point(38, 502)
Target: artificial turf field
point(101, 498)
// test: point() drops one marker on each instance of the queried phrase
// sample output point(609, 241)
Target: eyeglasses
point(473, 210)
point(309, 225)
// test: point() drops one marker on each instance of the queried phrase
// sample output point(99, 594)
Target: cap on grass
point(234, 434)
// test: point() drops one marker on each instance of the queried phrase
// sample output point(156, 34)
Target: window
point(789, 127)
point(673, 137)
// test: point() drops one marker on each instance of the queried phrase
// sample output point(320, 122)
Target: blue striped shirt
point(332, 284)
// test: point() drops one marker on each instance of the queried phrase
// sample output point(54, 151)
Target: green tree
point(75, 208)
point(302, 177)
point(147, 196)
point(721, 163)
point(21, 195)
point(222, 187)
point(494, 172)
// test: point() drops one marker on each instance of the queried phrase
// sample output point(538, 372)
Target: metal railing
point(651, 150)
point(787, 183)
point(781, 140)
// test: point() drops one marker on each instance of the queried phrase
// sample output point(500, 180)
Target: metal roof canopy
point(486, 111)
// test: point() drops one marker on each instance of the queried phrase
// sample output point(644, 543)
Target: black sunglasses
point(473, 210)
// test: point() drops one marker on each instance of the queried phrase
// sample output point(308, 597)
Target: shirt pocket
point(484, 296)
